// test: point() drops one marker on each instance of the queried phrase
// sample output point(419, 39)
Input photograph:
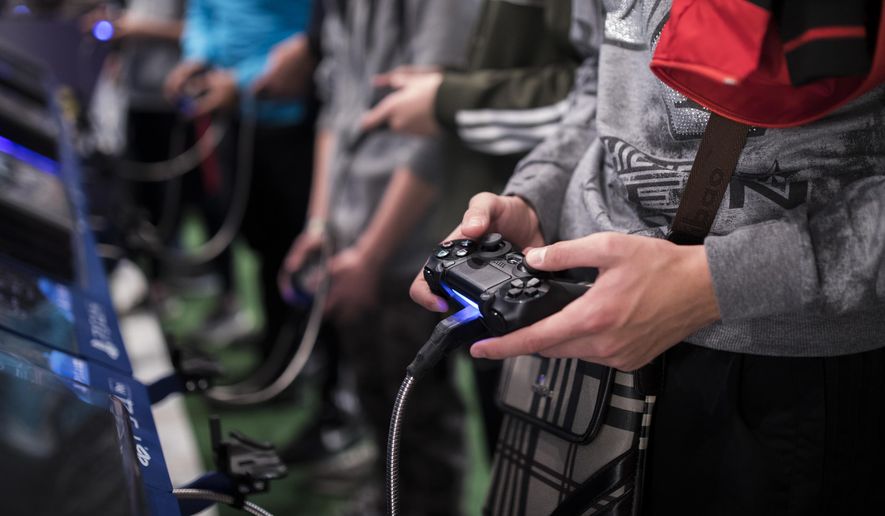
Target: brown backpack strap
point(711, 172)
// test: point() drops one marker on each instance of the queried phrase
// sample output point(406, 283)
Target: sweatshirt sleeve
point(542, 177)
point(827, 259)
point(437, 34)
point(504, 111)
point(196, 40)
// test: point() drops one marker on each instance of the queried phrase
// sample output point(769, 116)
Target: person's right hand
point(308, 242)
point(509, 215)
point(179, 77)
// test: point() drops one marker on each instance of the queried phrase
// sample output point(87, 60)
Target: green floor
point(280, 422)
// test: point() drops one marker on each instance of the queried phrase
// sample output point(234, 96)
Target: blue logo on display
point(103, 30)
point(59, 296)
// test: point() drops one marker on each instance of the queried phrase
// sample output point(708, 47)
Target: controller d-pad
point(531, 292)
point(534, 282)
point(514, 293)
point(517, 283)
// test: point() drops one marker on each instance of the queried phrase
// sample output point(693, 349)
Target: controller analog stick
point(491, 242)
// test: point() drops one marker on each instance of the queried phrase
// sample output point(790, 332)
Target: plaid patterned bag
point(573, 440)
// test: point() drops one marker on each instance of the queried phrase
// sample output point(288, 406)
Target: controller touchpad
point(472, 278)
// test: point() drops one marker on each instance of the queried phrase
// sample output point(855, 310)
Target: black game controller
point(492, 277)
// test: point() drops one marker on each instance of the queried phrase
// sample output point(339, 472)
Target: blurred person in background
point(227, 46)
point(503, 103)
point(376, 197)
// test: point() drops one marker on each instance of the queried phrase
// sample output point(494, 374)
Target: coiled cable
point(237, 395)
point(230, 227)
point(178, 165)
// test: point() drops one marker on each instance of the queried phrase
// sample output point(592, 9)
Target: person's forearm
point(405, 202)
point(155, 29)
point(318, 208)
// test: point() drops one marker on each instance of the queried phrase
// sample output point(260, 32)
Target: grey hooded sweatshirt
point(797, 251)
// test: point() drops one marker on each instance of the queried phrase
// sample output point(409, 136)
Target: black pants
point(749, 435)
point(281, 177)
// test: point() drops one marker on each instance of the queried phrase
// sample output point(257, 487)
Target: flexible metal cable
point(177, 166)
point(230, 227)
point(235, 395)
point(187, 493)
point(394, 436)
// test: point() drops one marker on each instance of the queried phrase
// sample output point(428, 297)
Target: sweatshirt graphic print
point(797, 248)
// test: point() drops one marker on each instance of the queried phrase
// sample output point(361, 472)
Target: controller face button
point(534, 282)
point(447, 245)
point(514, 292)
point(465, 243)
point(460, 253)
point(442, 253)
point(531, 292)
point(517, 283)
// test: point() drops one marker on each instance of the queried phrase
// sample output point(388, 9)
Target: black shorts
point(742, 435)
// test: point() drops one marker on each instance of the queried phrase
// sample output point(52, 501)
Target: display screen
point(37, 308)
point(66, 450)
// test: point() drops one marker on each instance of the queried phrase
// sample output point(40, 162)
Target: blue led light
point(467, 314)
point(21, 9)
point(461, 298)
point(103, 30)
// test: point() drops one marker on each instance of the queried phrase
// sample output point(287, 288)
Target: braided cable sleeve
point(211, 496)
point(394, 436)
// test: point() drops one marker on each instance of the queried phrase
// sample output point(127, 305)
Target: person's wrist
point(698, 269)
point(316, 226)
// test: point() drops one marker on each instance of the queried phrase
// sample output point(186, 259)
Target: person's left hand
point(221, 92)
point(354, 277)
point(409, 109)
point(650, 295)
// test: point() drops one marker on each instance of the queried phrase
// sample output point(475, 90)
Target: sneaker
point(129, 287)
point(228, 324)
